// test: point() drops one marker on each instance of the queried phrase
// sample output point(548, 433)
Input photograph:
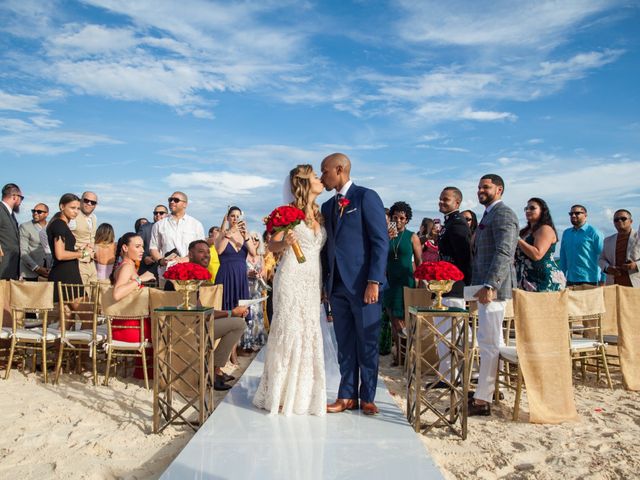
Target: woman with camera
point(233, 244)
point(404, 255)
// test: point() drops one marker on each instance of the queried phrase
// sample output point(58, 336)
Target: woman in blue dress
point(536, 268)
point(233, 245)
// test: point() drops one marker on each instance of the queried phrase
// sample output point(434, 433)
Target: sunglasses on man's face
point(175, 200)
point(18, 195)
point(39, 212)
point(620, 219)
point(575, 214)
point(159, 213)
point(90, 202)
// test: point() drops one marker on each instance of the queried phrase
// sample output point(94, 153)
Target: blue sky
point(136, 99)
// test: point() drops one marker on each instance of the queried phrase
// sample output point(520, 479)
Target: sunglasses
point(18, 195)
point(39, 212)
point(531, 208)
point(468, 220)
point(159, 213)
point(175, 200)
point(575, 214)
point(255, 239)
point(621, 219)
point(90, 202)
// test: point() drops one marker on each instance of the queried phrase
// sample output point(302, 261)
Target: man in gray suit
point(9, 236)
point(493, 269)
point(34, 261)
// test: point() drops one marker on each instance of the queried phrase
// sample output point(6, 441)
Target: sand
point(602, 445)
point(78, 431)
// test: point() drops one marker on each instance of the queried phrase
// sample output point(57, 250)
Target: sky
point(136, 99)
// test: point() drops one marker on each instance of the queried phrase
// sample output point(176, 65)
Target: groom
point(354, 260)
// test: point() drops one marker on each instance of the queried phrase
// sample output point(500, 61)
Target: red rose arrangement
point(284, 218)
point(438, 271)
point(187, 271)
point(343, 203)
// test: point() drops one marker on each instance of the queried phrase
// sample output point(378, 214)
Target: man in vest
point(84, 229)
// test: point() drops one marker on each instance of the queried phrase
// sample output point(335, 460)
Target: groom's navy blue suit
point(355, 253)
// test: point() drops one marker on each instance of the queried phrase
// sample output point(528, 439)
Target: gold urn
point(440, 287)
point(186, 287)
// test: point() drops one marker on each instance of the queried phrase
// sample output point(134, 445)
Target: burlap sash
point(5, 301)
point(610, 318)
point(136, 304)
point(542, 333)
point(421, 297)
point(31, 295)
point(629, 336)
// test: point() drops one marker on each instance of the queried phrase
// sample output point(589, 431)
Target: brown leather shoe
point(369, 408)
point(342, 404)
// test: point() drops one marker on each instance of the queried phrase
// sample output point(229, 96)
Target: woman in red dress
point(125, 280)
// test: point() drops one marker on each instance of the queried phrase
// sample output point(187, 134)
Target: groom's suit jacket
point(494, 249)
point(357, 241)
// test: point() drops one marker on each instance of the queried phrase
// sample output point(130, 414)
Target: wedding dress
point(294, 379)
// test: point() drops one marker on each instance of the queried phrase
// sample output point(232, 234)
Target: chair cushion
point(120, 345)
point(5, 332)
point(584, 344)
point(509, 353)
point(36, 334)
point(81, 336)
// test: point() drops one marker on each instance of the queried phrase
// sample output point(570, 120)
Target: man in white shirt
point(173, 234)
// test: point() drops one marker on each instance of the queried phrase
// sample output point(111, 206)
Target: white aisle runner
point(239, 441)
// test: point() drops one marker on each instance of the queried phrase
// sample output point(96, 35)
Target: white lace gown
point(293, 380)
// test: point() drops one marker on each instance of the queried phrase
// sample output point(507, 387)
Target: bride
point(294, 380)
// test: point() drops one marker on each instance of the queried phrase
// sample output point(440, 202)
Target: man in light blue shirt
point(580, 250)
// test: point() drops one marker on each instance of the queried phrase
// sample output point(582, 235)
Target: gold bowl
point(439, 287)
point(186, 287)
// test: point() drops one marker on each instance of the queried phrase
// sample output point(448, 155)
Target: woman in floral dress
point(536, 268)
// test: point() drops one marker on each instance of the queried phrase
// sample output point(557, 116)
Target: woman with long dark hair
point(63, 246)
point(536, 268)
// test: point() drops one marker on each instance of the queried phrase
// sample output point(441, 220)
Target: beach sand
point(75, 430)
point(602, 445)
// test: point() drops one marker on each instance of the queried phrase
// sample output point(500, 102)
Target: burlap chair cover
point(211, 296)
point(585, 302)
point(629, 336)
point(31, 295)
point(134, 305)
point(542, 331)
point(421, 297)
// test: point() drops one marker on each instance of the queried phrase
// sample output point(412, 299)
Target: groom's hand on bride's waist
point(371, 292)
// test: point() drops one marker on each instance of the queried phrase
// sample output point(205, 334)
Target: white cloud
point(20, 103)
point(78, 40)
point(220, 184)
point(494, 22)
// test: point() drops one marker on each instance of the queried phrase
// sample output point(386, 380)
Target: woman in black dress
point(65, 267)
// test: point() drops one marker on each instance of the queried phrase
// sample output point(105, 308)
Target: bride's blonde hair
point(300, 178)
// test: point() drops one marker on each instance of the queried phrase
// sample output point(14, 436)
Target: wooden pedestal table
point(183, 367)
point(427, 407)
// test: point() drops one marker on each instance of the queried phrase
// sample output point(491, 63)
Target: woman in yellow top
point(214, 263)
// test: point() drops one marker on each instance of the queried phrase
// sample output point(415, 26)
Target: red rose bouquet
point(438, 271)
point(440, 277)
point(186, 278)
point(284, 218)
point(187, 271)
